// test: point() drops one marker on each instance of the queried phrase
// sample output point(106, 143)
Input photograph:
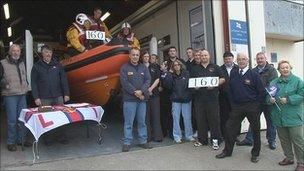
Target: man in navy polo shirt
point(247, 94)
point(135, 80)
point(206, 102)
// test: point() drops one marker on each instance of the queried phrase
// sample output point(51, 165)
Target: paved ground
point(173, 157)
point(84, 154)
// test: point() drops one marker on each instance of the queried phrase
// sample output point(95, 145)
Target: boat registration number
point(95, 35)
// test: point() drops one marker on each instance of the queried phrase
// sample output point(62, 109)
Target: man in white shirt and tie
point(224, 101)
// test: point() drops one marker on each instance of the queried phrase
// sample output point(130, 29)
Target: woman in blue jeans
point(177, 79)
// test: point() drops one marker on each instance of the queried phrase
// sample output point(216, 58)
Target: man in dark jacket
point(225, 104)
point(190, 55)
point(267, 74)
point(135, 80)
point(49, 85)
point(247, 93)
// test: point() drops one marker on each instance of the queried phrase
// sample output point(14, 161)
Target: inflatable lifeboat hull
point(92, 75)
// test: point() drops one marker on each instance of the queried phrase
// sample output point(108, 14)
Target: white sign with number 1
point(95, 35)
point(203, 82)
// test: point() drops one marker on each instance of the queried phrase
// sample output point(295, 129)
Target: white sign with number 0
point(95, 35)
point(203, 82)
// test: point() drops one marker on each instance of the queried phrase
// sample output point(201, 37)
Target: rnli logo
point(130, 73)
point(247, 81)
point(211, 69)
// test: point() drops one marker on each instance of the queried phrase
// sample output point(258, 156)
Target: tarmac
point(171, 157)
point(83, 153)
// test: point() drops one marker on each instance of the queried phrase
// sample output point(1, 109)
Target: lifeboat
point(94, 74)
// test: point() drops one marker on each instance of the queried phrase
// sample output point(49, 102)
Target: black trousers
point(225, 109)
point(193, 120)
point(207, 114)
point(166, 114)
point(153, 119)
point(251, 110)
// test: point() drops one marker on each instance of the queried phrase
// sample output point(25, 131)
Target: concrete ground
point(85, 154)
point(172, 157)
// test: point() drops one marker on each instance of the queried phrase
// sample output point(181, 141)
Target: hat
point(81, 18)
point(126, 24)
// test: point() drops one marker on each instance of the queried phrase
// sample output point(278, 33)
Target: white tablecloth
point(41, 122)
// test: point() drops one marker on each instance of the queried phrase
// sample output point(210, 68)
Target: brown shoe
point(300, 167)
point(285, 162)
point(12, 147)
point(125, 148)
point(145, 146)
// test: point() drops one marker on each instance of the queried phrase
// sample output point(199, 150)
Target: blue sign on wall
point(238, 31)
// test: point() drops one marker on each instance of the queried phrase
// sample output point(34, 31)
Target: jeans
point(271, 129)
point(185, 109)
point(130, 111)
point(15, 129)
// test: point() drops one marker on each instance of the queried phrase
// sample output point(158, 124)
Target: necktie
point(241, 71)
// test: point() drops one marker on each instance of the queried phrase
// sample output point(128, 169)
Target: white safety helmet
point(81, 18)
point(126, 24)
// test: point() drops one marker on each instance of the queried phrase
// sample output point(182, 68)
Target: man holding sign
point(206, 78)
point(99, 28)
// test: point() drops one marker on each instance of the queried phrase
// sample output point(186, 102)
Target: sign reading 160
point(95, 35)
point(203, 82)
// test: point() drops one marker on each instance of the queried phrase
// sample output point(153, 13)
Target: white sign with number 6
point(203, 82)
point(95, 35)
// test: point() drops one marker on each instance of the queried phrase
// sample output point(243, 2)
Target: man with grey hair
point(267, 74)
point(14, 88)
point(247, 94)
point(50, 87)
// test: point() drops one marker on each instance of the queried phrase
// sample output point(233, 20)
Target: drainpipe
point(177, 24)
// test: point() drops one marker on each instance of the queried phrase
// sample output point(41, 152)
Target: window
point(197, 31)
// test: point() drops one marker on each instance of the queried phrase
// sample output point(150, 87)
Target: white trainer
point(215, 145)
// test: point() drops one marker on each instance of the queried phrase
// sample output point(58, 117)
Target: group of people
point(78, 41)
point(49, 87)
point(157, 95)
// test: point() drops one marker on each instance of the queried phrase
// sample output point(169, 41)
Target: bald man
point(247, 94)
point(206, 102)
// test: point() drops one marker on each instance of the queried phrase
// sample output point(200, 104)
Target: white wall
point(287, 50)
point(236, 10)
point(257, 28)
point(219, 31)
